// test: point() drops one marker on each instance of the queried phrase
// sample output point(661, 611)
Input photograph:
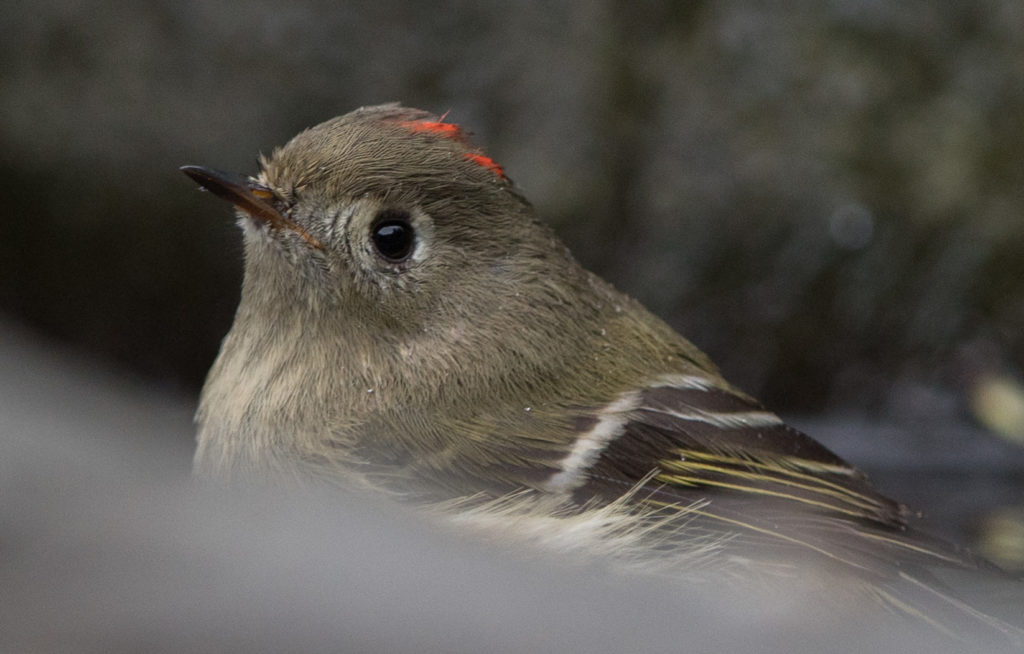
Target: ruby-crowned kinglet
point(407, 325)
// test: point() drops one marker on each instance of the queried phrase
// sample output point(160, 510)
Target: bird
point(409, 327)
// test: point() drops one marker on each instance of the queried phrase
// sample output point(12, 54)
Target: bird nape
point(408, 327)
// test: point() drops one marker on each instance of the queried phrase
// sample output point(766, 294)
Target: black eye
point(393, 235)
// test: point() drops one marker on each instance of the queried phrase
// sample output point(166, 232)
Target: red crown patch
point(455, 133)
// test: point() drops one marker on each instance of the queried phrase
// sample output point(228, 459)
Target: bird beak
point(249, 196)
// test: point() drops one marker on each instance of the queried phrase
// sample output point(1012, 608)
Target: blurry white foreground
point(106, 545)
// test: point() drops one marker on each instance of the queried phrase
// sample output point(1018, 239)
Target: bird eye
point(393, 235)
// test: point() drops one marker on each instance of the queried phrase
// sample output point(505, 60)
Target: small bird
point(407, 326)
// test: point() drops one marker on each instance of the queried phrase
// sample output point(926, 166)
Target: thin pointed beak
point(247, 196)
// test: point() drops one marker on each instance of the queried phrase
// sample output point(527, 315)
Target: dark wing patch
point(765, 491)
point(663, 406)
point(713, 441)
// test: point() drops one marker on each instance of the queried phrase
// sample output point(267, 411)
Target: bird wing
point(766, 491)
point(712, 439)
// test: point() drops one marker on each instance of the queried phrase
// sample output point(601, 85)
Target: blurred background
point(827, 197)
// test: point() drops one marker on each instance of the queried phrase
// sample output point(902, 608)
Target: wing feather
point(768, 492)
